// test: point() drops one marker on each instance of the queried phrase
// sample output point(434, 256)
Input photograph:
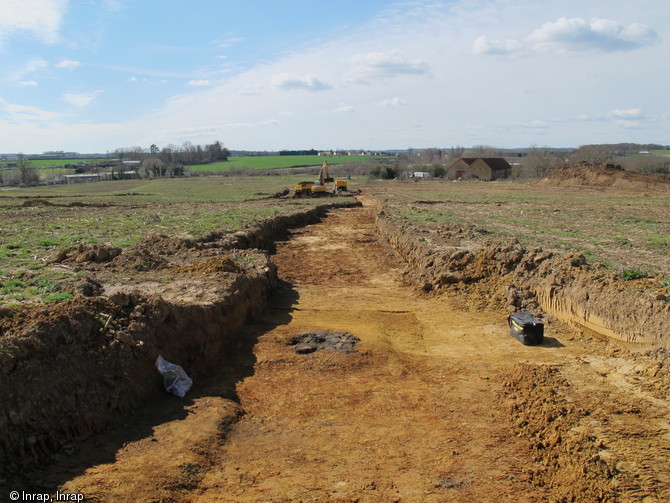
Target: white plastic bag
point(174, 378)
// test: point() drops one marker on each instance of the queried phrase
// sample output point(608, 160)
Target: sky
point(92, 76)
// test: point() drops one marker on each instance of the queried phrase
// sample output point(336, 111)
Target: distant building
point(420, 174)
point(479, 168)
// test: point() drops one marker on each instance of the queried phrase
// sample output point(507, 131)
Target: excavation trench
point(434, 402)
point(74, 369)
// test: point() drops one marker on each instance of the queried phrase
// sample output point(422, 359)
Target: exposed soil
point(437, 402)
point(511, 276)
point(604, 175)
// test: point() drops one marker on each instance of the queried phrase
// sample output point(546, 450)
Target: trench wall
point(510, 276)
point(65, 375)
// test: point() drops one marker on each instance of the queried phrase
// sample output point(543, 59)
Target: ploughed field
point(420, 393)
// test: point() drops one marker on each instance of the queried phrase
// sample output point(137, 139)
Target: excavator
point(325, 185)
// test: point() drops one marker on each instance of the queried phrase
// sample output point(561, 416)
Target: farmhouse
point(479, 168)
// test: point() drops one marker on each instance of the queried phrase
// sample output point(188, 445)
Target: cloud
point(482, 45)
point(384, 65)
point(67, 64)
point(344, 108)
point(574, 35)
point(28, 83)
point(199, 83)
point(113, 5)
point(29, 67)
point(41, 18)
point(23, 113)
point(227, 42)
point(533, 125)
point(393, 102)
point(81, 100)
point(291, 82)
point(140, 71)
point(630, 113)
point(628, 124)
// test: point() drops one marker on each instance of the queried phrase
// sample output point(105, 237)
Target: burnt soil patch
point(309, 342)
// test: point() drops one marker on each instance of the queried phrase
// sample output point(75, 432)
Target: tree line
point(185, 154)
point(532, 162)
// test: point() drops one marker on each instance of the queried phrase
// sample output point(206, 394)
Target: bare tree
point(647, 163)
point(25, 174)
point(538, 161)
point(482, 151)
point(594, 154)
point(153, 166)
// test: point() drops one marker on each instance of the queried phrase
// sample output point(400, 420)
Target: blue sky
point(96, 75)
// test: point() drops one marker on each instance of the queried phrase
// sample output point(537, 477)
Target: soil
point(604, 175)
point(309, 342)
point(437, 402)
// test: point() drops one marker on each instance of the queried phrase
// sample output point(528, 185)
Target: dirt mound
point(308, 342)
point(31, 203)
point(603, 175)
point(72, 369)
point(87, 253)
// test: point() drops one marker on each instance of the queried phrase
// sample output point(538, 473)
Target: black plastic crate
point(526, 328)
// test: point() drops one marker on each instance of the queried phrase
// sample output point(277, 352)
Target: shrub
point(631, 274)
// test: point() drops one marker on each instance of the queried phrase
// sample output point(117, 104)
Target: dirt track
point(437, 403)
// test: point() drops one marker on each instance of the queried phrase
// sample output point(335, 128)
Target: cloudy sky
point(95, 75)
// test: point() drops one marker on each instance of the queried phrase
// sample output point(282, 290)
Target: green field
point(234, 164)
point(36, 223)
point(660, 152)
point(624, 231)
point(618, 229)
point(53, 163)
point(274, 162)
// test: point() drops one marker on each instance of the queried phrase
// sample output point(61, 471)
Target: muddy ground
point(436, 402)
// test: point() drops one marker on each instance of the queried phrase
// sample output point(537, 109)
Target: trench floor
point(415, 414)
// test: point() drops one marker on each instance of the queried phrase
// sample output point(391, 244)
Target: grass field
point(47, 168)
point(121, 213)
point(626, 232)
point(56, 163)
point(622, 231)
point(274, 162)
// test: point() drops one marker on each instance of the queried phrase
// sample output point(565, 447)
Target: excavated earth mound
point(603, 175)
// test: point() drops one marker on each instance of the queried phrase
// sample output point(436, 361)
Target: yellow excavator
point(325, 185)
